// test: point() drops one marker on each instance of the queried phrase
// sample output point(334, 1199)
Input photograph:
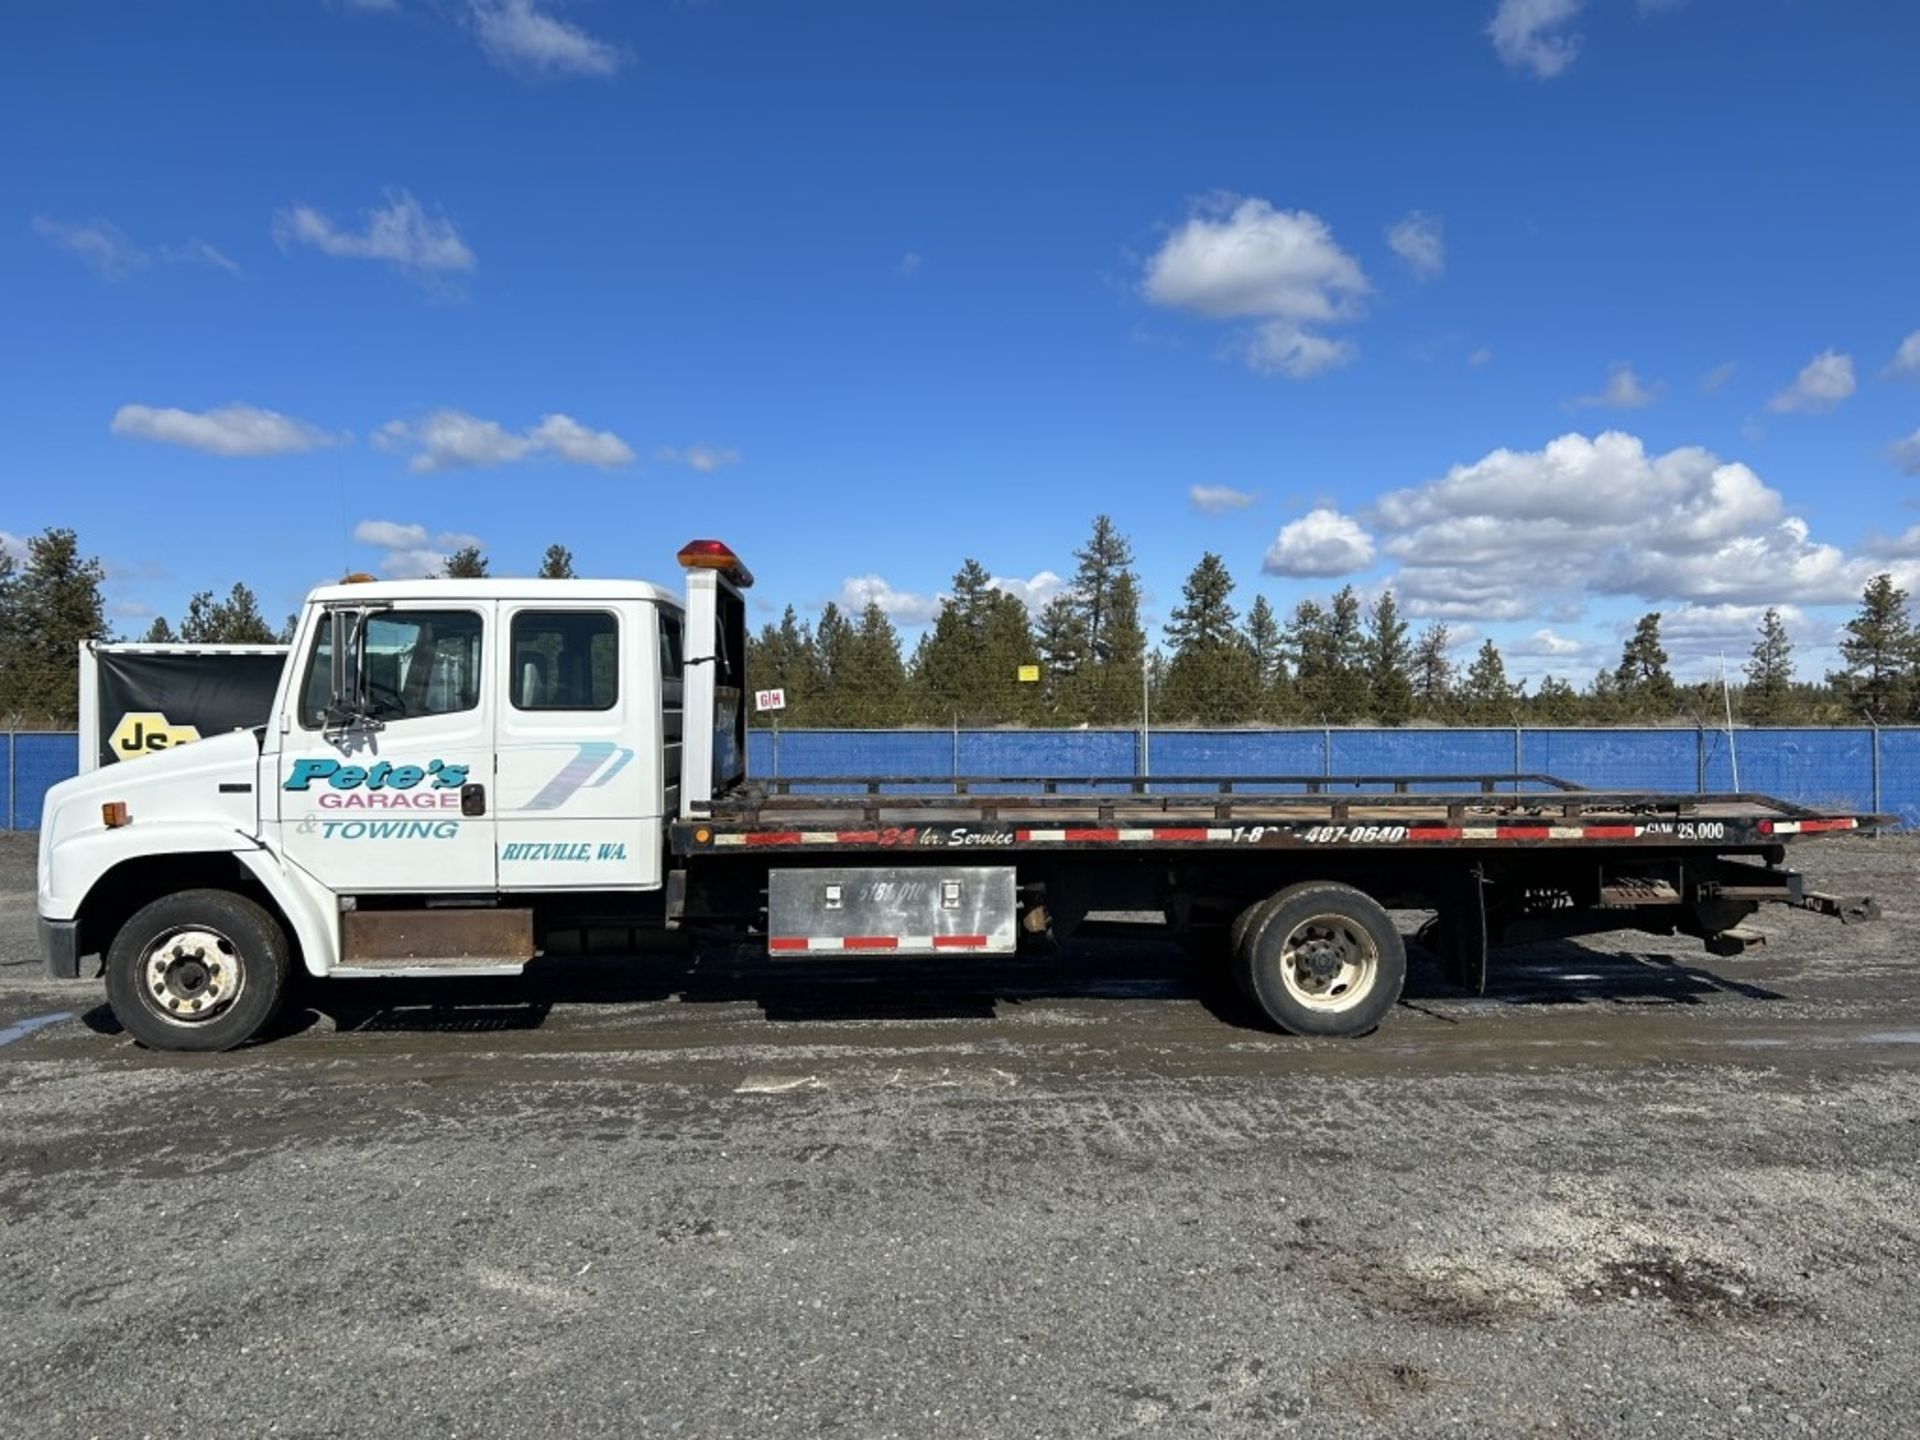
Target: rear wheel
point(201, 970)
point(1322, 959)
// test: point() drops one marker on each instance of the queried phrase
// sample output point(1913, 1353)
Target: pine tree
point(1879, 650)
point(466, 563)
point(833, 646)
point(47, 608)
point(1556, 702)
point(1061, 639)
point(954, 677)
point(782, 657)
point(1114, 695)
point(1107, 594)
point(1489, 694)
point(1213, 677)
point(1768, 698)
point(1433, 672)
point(159, 632)
point(557, 564)
point(1641, 677)
point(1389, 659)
point(1347, 697)
point(876, 694)
point(235, 620)
point(1311, 647)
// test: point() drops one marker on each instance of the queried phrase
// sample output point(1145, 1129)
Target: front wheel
point(200, 970)
point(1323, 959)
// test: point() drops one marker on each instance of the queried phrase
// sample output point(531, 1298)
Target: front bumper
point(60, 947)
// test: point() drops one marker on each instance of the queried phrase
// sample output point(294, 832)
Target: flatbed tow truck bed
point(1241, 812)
point(1288, 878)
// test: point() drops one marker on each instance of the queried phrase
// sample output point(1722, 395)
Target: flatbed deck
point(856, 813)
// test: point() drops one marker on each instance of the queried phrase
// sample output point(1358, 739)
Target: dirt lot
point(1635, 1191)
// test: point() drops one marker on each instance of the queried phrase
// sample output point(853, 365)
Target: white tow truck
point(453, 771)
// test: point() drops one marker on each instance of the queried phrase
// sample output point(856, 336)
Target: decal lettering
point(381, 776)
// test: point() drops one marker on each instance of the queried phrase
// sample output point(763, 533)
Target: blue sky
point(1543, 312)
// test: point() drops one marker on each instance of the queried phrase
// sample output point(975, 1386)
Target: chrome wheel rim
point(191, 975)
point(1329, 963)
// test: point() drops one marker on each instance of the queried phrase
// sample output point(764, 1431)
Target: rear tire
point(200, 970)
point(1322, 959)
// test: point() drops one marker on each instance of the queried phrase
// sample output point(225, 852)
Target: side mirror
point(347, 705)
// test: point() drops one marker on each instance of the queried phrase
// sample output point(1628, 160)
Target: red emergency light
point(713, 555)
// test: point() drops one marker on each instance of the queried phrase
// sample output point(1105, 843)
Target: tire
point(200, 970)
point(1245, 925)
point(1323, 959)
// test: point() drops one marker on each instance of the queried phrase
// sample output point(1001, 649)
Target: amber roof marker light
point(713, 555)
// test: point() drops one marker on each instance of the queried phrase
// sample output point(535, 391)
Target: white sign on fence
point(769, 699)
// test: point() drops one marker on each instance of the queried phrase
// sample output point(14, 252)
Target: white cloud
point(903, 606)
point(1531, 35)
point(1518, 533)
point(1906, 360)
point(1623, 391)
point(13, 546)
point(1715, 379)
point(1419, 240)
point(231, 430)
point(99, 243)
point(1548, 644)
point(410, 550)
point(424, 247)
point(453, 440)
point(199, 252)
point(1220, 499)
point(704, 458)
point(1241, 259)
point(1033, 593)
point(575, 443)
point(1322, 542)
point(112, 256)
point(910, 262)
point(521, 35)
point(1482, 356)
point(1906, 453)
point(1823, 382)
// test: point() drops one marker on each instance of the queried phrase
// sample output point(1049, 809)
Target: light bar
point(713, 555)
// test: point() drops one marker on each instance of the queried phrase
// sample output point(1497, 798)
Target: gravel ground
point(1634, 1191)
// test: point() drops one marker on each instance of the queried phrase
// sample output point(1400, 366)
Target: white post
point(1726, 696)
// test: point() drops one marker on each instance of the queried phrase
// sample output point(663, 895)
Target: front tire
point(200, 970)
point(1323, 959)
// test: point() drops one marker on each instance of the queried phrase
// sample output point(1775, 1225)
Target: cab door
point(572, 788)
point(405, 803)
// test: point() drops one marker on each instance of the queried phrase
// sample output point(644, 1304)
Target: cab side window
point(418, 663)
point(565, 660)
point(672, 655)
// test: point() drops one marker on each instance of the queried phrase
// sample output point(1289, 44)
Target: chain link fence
point(1859, 768)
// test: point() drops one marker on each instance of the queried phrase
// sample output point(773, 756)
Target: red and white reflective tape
point(1806, 827)
point(1110, 835)
point(872, 944)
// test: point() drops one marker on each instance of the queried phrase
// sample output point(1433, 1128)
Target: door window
point(565, 660)
point(418, 663)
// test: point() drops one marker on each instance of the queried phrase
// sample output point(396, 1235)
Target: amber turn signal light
point(113, 814)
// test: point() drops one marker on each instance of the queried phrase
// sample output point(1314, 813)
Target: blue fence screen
point(1853, 769)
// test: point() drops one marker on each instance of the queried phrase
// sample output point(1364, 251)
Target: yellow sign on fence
point(1029, 674)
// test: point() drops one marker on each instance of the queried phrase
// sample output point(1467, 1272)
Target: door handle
point(473, 800)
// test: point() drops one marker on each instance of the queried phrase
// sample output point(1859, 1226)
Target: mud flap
point(1463, 930)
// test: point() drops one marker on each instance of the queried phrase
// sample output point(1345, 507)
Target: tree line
point(1085, 658)
point(1339, 660)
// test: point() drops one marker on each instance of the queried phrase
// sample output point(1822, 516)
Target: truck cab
point(451, 769)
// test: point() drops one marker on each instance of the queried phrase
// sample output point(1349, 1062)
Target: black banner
point(150, 701)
